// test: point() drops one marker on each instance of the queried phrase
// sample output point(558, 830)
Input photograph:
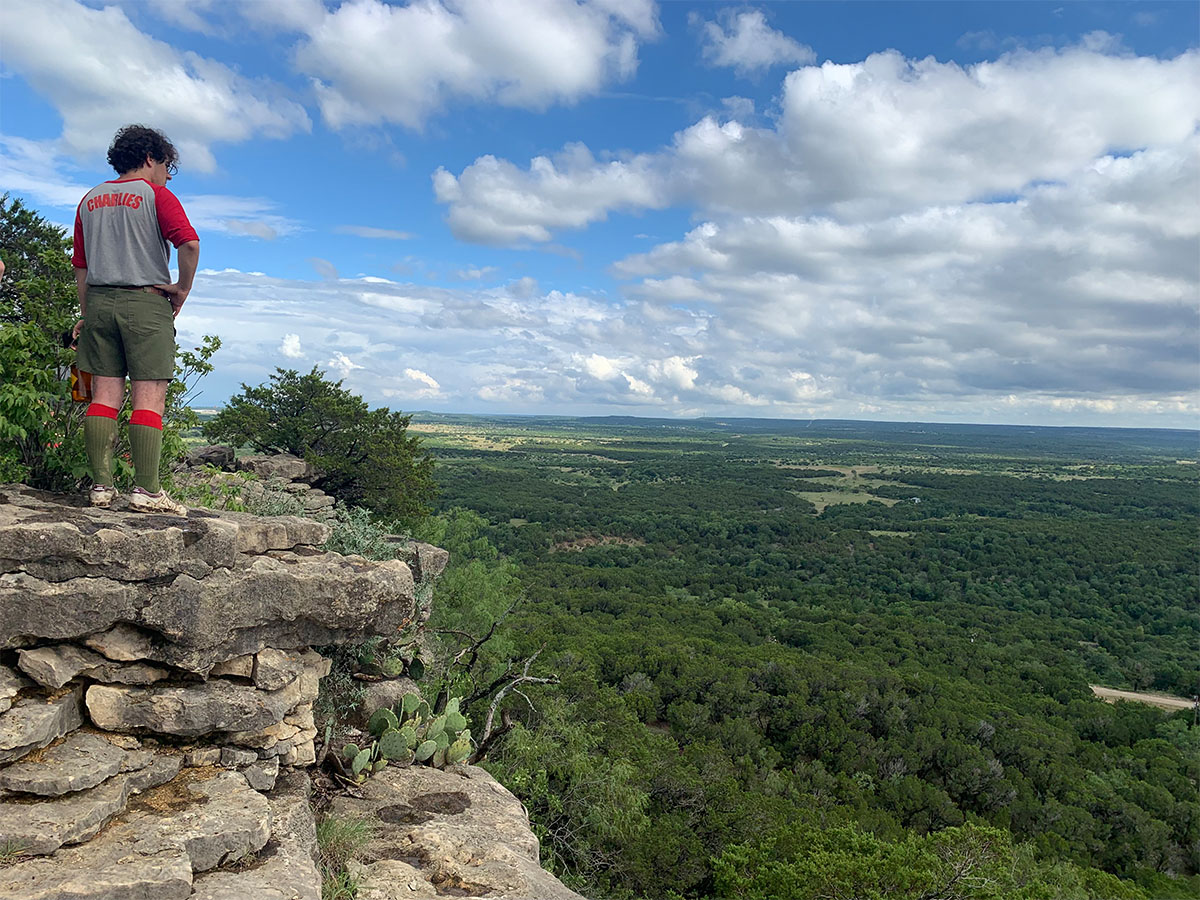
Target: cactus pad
point(393, 745)
point(361, 761)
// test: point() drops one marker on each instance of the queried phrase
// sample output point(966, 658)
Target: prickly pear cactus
point(382, 720)
point(458, 752)
point(361, 761)
point(409, 732)
point(392, 745)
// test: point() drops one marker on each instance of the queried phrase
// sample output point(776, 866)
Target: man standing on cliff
point(123, 229)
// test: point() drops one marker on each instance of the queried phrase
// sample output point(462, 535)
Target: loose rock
point(41, 828)
point(11, 683)
point(122, 642)
point(240, 666)
point(218, 455)
point(261, 774)
point(33, 722)
point(232, 757)
point(54, 666)
point(274, 669)
point(81, 761)
point(287, 870)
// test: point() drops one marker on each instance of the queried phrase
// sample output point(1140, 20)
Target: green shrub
point(365, 456)
point(356, 531)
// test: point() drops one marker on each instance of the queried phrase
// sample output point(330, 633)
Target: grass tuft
point(339, 840)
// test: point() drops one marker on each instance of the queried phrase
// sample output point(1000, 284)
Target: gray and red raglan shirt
point(122, 232)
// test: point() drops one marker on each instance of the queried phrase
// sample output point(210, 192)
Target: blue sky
point(983, 212)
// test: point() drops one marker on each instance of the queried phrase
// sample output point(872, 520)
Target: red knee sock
point(99, 409)
point(145, 417)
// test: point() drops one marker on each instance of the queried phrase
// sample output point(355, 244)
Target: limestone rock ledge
point(446, 832)
point(184, 592)
point(157, 682)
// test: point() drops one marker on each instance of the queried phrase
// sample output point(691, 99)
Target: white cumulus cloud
point(64, 50)
point(342, 365)
point(922, 133)
point(373, 62)
point(291, 346)
point(742, 40)
point(424, 378)
point(494, 202)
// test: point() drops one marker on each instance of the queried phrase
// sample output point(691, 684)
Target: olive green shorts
point(127, 332)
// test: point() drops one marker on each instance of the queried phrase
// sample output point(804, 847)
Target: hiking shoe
point(142, 500)
point(102, 495)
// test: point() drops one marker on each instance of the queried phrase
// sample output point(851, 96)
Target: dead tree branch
point(490, 733)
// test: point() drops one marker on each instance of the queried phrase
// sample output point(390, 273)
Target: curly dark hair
point(133, 143)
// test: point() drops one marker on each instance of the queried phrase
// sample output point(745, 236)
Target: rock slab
point(33, 722)
point(41, 828)
point(82, 761)
point(285, 868)
point(447, 832)
point(192, 824)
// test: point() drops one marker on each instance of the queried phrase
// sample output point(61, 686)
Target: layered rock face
point(157, 681)
point(156, 678)
point(446, 833)
point(281, 481)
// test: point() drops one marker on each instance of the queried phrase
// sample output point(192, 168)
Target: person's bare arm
point(81, 292)
point(189, 259)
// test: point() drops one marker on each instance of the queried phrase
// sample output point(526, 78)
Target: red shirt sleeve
point(173, 222)
point(78, 256)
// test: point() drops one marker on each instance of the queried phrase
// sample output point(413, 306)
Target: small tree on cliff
point(365, 456)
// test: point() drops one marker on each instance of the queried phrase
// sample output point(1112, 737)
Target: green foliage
point(41, 429)
point(12, 852)
point(588, 797)
point(473, 596)
point(741, 664)
point(357, 532)
point(366, 457)
point(212, 488)
point(804, 862)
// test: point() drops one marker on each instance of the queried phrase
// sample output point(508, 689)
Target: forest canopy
point(784, 652)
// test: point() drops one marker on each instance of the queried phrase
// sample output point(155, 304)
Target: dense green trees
point(910, 676)
point(40, 429)
point(365, 457)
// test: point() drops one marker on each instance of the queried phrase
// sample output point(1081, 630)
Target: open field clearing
point(823, 499)
point(1162, 701)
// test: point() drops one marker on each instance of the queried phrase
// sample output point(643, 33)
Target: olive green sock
point(99, 436)
point(145, 445)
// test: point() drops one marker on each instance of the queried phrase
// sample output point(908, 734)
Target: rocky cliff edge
point(157, 681)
